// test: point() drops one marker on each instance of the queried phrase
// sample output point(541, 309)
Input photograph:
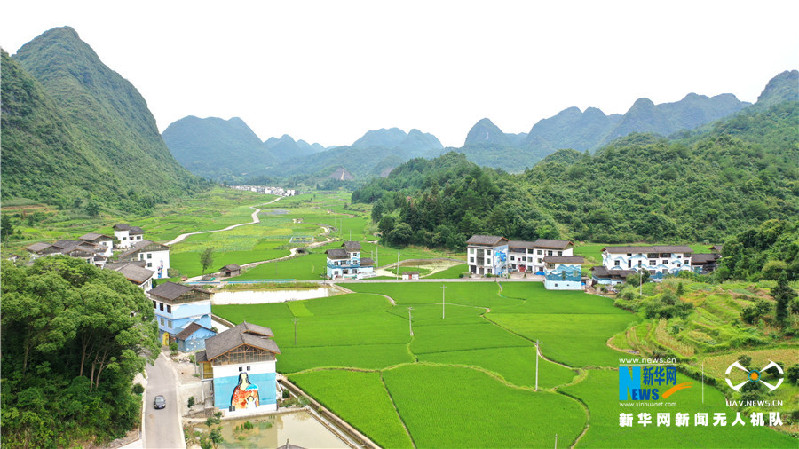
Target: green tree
point(207, 258)
point(6, 227)
point(73, 338)
point(784, 295)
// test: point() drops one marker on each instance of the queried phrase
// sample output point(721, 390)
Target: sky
point(328, 71)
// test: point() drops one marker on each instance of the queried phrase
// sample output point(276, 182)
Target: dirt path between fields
point(255, 220)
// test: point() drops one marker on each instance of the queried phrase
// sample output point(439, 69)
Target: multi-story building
point(154, 255)
point(101, 240)
point(487, 254)
point(128, 235)
point(563, 272)
point(346, 262)
point(176, 306)
point(92, 253)
point(658, 260)
point(528, 257)
point(241, 362)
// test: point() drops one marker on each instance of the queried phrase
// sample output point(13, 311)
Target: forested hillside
point(706, 187)
point(75, 132)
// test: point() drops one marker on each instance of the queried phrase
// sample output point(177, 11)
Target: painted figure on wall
point(245, 394)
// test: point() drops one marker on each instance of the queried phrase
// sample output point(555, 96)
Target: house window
point(628, 254)
point(539, 252)
point(664, 262)
point(512, 258)
point(149, 255)
point(471, 259)
point(248, 367)
point(617, 263)
point(240, 368)
point(149, 264)
point(685, 262)
point(639, 263)
point(539, 260)
point(169, 308)
point(629, 263)
point(169, 322)
point(488, 252)
point(560, 253)
point(549, 253)
point(653, 262)
point(155, 305)
point(124, 238)
point(161, 320)
point(162, 307)
point(556, 285)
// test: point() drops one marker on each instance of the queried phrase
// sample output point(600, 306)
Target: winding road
point(255, 220)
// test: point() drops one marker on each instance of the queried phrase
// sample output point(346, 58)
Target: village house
point(602, 276)
point(192, 337)
point(410, 276)
point(155, 256)
point(658, 260)
point(487, 254)
point(346, 262)
point(134, 272)
point(241, 362)
point(176, 306)
point(230, 270)
point(101, 240)
point(128, 235)
point(704, 263)
point(528, 257)
point(88, 251)
point(563, 272)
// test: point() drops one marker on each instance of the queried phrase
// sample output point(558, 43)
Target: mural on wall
point(245, 394)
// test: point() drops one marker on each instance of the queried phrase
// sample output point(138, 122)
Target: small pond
point(298, 428)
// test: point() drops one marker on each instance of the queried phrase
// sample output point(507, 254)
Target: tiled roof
point(144, 246)
point(36, 247)
point(132, 271)
point(647, 249)
point(367, 262)
point(701, 259)
point(231, 267)
point(352, 246)
point(487, 240)
point(244, 333)
point(171, 290)
point(189, 330)
point(552, 244)
point(337, 253)
point(92, 236)
point(602, 272)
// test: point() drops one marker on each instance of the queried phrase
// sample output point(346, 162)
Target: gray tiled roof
point(231, 267)
point(337, 253)
point(600, 271)
point(564, 259)
point(38, 246)
point(126, 227)
point(701, 259)
point(647, 249)
point(131, 271)
point(171, 290)
point(351, 246)
point(367, 262)
point(92, 236)
point(244, 333)
point(552, 244)
point(486, 240)
point(144, 246)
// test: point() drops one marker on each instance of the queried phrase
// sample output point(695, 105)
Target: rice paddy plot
point(373, 413)
point(600, 391)
point(516, 365)
point(459, 407)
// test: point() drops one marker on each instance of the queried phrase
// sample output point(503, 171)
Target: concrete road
point(162, 427)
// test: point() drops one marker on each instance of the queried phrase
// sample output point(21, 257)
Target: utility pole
point(536, 365)
point(443, 301)
point(556, 441)
point(398, 271)
point(410, 320)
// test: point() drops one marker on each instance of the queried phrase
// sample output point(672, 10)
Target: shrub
point(744, 360)
point(173, 347)
point(286, 394)
point(191, 402)
point(792, 374)
point(138, 388)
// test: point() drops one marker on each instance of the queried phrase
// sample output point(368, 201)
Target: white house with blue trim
point(177, 306)
point(528, 257)
point(659, 261)
point(241, 364)
point(346, 262)
point(563, 272)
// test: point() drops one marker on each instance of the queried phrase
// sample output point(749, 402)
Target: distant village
point(272, 190)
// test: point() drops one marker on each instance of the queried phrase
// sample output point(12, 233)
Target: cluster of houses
point(280, 191)
point(562, 270)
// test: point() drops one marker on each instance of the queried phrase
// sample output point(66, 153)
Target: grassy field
point(450, 273)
